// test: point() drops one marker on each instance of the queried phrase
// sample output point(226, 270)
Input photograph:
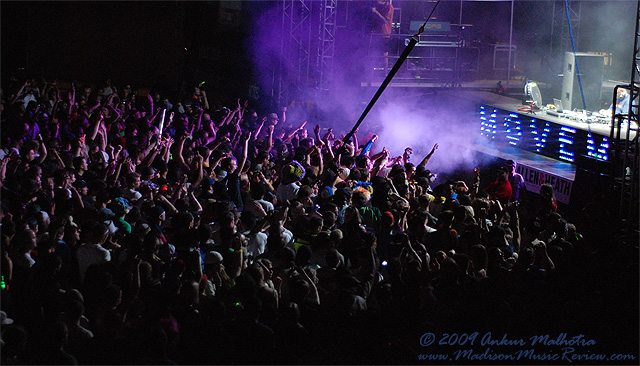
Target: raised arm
point(58, 159)
point(113, 179)
point(269, 139)
point(199, 119)
point(166, 154)
point(95, 127)
point(245, 148)
point(476, 182)
point(355, 143)
point(329, 136)
point(287, 138)
point(256, 133)
point(226, 118)
point(3, 169)
point(428, 157)
point(215, 163)
point(170, 207)
point(200, 163)
point(329, 145)
point(367, 147)
point(320, 158)
point(380, 161)
point(316, 132)
point(19, 93)
point(540, 248)
point(194, 202)
point(314, 290)
point(179, 156)
point(43, 151)
point(151, 154)
point(152, 147)
point(205, 101)
point(240, 111)
point(72, 95)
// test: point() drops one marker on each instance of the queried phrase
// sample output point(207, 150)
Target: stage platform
point(489, 84)
point(543, 163)
point(572, 120)
point(565, 152)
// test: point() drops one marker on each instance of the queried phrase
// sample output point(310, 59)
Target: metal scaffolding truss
point(327, 37)
point(307, 46)
point(300, 35)
point(560, 38)
point(626, 149)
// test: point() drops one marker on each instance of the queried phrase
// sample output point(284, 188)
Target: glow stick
point(164, 111)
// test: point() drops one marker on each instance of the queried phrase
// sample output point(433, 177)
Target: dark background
point(170, 44)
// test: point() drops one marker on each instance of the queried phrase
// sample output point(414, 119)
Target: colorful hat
point(293, 172)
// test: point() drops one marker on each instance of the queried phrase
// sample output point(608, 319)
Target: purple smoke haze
point(400, 118)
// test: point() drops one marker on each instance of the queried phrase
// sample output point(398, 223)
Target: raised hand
point(131, 165)
point(329, 135)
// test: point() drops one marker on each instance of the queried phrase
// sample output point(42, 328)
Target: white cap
point(4, 319)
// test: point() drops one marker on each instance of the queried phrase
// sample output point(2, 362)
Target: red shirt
point(500, 190)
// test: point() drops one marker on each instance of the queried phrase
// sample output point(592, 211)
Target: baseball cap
point(156, 211)
point(4, 319)
point(213, 257)
point(326, 192)
point(106, 214)
point(79, 183)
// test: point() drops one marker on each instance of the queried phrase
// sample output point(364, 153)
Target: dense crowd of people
point(137, 229)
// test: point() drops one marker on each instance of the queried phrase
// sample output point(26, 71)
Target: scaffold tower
point(560, 40)
point(307, 47)
point(626, 150)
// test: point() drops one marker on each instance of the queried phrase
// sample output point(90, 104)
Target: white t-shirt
point(90, 254)
point(266, 205)
point(257, 244)
point(287, 192)
point(131, 195)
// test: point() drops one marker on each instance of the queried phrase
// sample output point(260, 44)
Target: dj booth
point(575, 141)
point(563, 136)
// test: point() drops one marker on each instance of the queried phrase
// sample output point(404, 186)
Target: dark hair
point(348, 161)
point(304, 192)
point(478, 255)
point(248, 218)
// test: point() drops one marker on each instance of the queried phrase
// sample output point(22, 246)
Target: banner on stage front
point(534, 178)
